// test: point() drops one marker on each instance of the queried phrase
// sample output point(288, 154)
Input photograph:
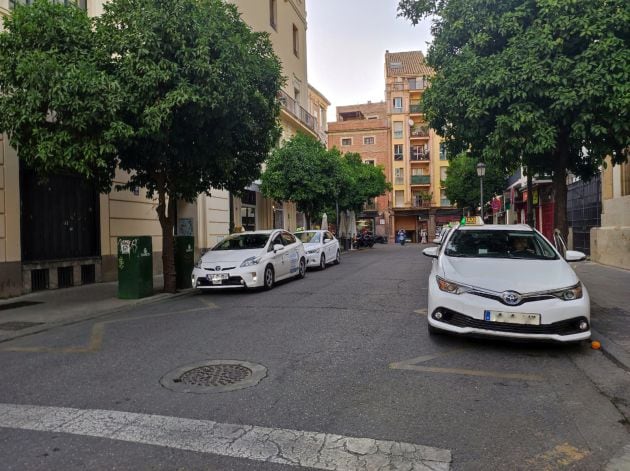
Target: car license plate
point(512, 317)
point(217, 279)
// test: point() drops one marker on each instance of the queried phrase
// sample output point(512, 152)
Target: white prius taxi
point(321, 248)
point(505, 281)
point(251, 260)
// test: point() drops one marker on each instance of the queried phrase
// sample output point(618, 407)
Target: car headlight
point(569, 294)
point(248, 262)
point(450, 287)
point(312, 251)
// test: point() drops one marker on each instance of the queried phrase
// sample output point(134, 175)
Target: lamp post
point(481, 172)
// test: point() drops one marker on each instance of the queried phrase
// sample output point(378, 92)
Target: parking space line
point(412, 365)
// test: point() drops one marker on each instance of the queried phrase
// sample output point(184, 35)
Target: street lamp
point(481, 172)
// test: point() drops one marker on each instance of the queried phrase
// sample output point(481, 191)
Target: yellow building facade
point(131, 213)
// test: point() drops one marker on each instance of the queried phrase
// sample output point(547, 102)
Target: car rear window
point(499, 244)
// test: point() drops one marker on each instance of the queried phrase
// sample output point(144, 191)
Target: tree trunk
point(560, 162)
point(308, 221)
point(166, 215)
point(530, 200)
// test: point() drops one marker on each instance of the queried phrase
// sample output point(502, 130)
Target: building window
point(80, 3)
point(443, 155)
point(248, 218)
point(398, 130)
point(368, 140)
point(296, 42)
point(398, 152)
point(346, 141)
point(399, 176)
point(444, 201)
point(369, 162)
point(417, 171)
point(397, 103)
point(399, 198)
point(273, 14)
point(443, 174)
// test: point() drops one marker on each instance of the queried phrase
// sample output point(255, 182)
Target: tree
point(362, 183)
point(462, 183)
point(58, 106)
point(199, 90)
point(304, 172)
point(542, 83)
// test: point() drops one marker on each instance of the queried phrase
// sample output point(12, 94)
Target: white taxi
point(505, 281)
point(250, 260)
point(321, 248)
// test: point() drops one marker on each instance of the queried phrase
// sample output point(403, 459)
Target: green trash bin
point(184, 260)
point(135, 267)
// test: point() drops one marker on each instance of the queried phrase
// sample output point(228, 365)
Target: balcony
point(419, 131)
point(421, 179)
point(420, 156)
point(415, 109)
point(421, 203)
point(289, 104)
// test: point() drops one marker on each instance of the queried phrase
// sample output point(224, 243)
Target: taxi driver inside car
point(507, 281)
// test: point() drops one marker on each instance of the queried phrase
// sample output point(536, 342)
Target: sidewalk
point(35, 312)
point(609, 289)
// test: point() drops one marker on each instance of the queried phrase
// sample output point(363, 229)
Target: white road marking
point(290, 447)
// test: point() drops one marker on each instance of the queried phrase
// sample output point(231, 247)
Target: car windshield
point(309, 237)
point(499, 244)
point(243, 242)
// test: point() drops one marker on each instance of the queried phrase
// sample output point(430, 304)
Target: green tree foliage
point(543, 83)
point(304, 172)
point(462, 183)
point(58, 105)
point(363, 182)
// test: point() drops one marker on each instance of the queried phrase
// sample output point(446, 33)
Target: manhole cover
point(18, 325)
point(214, 376)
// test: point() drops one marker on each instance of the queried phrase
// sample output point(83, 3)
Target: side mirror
point(431, 252)
point(574, 256)
point(437, 240)
point(278, 247)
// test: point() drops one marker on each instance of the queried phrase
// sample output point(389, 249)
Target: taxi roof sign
point(471, 221)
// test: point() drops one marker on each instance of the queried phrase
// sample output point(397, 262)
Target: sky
point(346, 43)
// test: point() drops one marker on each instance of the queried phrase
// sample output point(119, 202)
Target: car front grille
point(565, 327)
point(231, 281)
point(526, 298)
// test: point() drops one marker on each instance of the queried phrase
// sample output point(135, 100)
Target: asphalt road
point(348, 361)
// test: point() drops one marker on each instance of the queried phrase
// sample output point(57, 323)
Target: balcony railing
point(415, 109)
point(420, 203)
point(420, 156)
point(421, 179)
point(398, 157)
point(296, 110)
point(420, 131)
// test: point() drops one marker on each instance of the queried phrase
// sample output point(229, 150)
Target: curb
point(621, 462)
point(148, 300)
point(612, 350)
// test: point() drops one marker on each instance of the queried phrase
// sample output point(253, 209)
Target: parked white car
point(251, 260)
point(321, 248)
point(505, 281)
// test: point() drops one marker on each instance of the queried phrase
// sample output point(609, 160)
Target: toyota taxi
point(505, 281)
point(250, 260)
point(321, 248)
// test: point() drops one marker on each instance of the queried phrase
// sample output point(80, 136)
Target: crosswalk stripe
point(274, 445)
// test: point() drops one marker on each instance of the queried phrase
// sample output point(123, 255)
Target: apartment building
point(610, 243)
point(82, 226)
point(365, 129)
point(419, 162)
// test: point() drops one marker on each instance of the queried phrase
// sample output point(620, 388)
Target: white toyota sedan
point(251, 260)
point(321, 248)
point(505, 281)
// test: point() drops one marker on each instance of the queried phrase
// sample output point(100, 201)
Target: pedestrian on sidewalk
point(402, 236)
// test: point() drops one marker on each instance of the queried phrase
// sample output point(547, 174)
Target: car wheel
point(434, 330)
point(269, 277)
point(302, 269)
point(337, 258)
point(322, 262)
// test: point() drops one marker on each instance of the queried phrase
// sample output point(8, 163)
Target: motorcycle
point(363, 240)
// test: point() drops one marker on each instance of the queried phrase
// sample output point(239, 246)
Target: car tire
point(434, 330)
point(322, 262)
point(338, 258)
point(269, 278)
point(301, 269)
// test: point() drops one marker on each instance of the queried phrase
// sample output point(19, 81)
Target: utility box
point(184, 260)
point(135, 267)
